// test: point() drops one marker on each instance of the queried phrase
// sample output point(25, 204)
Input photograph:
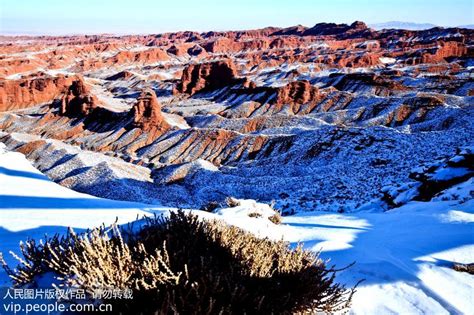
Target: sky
point(63, 17)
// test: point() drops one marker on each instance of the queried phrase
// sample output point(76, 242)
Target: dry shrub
point(276, 218)
point(185, 265)
point(97, 259)
point(36, 257)
point(210, 206)
point(103, 260)
point(469, 268)
point(232, 202)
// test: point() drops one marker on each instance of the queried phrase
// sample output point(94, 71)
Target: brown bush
point(469, 268)
point(36, 257)
point(184, 265)
point(276, 218)
point(210, 206)
point(232, 202)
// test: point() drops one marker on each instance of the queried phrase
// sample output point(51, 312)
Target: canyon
point(352, 142)
point(310, 118)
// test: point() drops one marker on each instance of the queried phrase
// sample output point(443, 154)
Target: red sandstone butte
point(207, 76)
point(78, 101)
point(147, 113)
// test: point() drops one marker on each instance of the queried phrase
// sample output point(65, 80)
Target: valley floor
point(404, 255)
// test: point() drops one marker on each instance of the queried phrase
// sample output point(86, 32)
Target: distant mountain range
point(409, 25)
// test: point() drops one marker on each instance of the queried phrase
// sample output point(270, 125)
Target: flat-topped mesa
point(147, 113)
point(207, 77)
point(78, 101)
point(229, 45)
point(31, 90)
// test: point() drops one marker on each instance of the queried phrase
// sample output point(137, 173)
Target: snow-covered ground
point(405, 255)
point(31, 206)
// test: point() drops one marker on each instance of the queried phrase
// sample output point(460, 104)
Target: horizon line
point(105, 33)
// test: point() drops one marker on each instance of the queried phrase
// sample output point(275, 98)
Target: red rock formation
point(196, 50)
point(224, 44)
point(144, 56)
point(288, 41)
point(124, 57)
point(207, 76)
point(78, 101)
point(415, 107)
point(186, 36)
point(217, 146)
point(13, 66)
point(122, 75)
point(292, 30)
point(242, 35)
point(147, 113)
point(298, 92)
point(381, 85)
point(177, 50)
point(444, 50)
point(30, 91)
point(221, 44)
point(355, 30)
point(295, 94)
point(298, 97)
point(365, 59)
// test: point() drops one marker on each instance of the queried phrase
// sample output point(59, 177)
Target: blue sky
point(154, 16)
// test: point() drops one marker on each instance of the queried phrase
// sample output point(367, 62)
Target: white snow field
point(31, 206)
point(405, 255)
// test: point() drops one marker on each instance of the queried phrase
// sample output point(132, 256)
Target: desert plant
point(232, 202)
point(469, 268)
point(256, 272)
point(210, 206)
point(182, 264)
point(37, 257)
point(276, 218)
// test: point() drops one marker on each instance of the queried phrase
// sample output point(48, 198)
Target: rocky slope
point(320, 117)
